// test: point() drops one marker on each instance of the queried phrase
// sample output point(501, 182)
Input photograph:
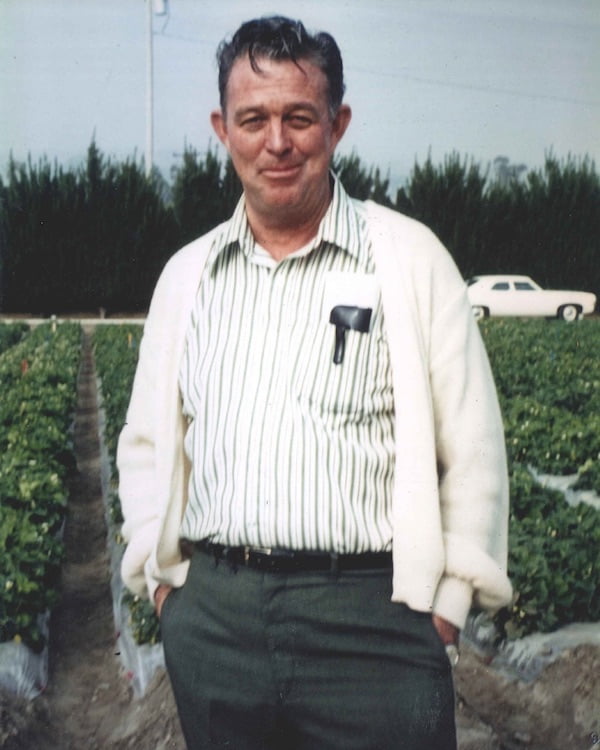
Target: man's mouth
point(281, 172)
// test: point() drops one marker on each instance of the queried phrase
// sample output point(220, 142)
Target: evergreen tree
point(98, 236)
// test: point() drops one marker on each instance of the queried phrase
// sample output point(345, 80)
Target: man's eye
point(300, 121)
point(252, 122)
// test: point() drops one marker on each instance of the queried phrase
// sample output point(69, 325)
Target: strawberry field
point(548, 377)
point(38, 375)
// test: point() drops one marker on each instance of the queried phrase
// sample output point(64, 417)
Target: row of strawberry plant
point(548, 380)
point(38, 379)
point(116, 352)
point(553, 559)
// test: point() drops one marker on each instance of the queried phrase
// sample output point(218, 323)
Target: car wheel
point(480, 312)
point(568, 313)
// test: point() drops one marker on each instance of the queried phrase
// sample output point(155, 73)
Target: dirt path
point(89, 704)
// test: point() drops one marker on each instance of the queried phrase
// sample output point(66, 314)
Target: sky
point(482, 78)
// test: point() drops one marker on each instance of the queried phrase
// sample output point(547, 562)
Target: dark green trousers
point(305, 661)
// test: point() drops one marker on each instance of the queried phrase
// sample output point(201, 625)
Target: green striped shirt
point(289, 449)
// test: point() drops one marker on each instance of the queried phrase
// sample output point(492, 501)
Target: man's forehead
point(302, 80)
point(264, 68)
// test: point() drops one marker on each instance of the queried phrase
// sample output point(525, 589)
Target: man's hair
point(280, 38)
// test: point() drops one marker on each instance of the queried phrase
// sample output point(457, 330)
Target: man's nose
point(278, 140)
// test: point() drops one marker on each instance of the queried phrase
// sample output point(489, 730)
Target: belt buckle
point(249, 550)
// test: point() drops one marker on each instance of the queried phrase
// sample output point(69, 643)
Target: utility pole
point(160, 8)
point(149, 160)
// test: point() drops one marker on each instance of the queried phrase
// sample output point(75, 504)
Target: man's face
point(280, 135)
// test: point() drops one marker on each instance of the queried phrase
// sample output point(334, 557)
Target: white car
point(520, 295)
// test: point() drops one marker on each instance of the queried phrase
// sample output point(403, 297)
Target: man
point(312, 472)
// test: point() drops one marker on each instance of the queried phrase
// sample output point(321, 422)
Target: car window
point(501, 286)
point(524, 286)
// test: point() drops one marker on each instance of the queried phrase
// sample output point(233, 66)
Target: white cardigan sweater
point(450, 503)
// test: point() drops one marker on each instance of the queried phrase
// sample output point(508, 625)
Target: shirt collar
point(340, 226)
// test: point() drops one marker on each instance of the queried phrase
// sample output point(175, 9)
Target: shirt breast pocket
point(352, 389)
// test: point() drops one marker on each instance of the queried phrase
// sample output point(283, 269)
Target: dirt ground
point(90, 705)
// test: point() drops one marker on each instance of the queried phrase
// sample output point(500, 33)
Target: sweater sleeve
point(136, 456)
point(470, 448)
point(153, 468)
point(150, 456)
point(451, 494)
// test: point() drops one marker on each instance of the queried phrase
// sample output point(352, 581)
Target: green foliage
point(29, 571)
point(553, 560)
point(548, 378)
point(360, 182)
point(545, 223)
point(562, 225)
point(38, 383)
point(589, 475)
point(143, 621)
point(11, 334)
point(204, 194)
point(450, 199)
point(97, 236)
point(84, 239)
point(116, 352)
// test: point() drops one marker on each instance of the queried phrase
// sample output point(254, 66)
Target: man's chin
point(282, 198)
point(290, 200)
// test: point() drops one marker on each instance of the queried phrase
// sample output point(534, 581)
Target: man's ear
point(340, 122)
point(217, 120)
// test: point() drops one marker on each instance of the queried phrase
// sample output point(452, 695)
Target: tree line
point(97, 236)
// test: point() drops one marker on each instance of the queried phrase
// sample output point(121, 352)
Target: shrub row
point(38, 378)
point(99, 234)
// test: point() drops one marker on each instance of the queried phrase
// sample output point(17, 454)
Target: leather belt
point(294, 561)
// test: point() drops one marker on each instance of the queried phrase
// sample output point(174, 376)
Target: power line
point(484, 88)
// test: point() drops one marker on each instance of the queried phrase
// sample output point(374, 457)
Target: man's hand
point(160, 595)
point(448, 632)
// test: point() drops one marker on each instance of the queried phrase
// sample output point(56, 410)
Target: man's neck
point(284, 233)
point(283, 241)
